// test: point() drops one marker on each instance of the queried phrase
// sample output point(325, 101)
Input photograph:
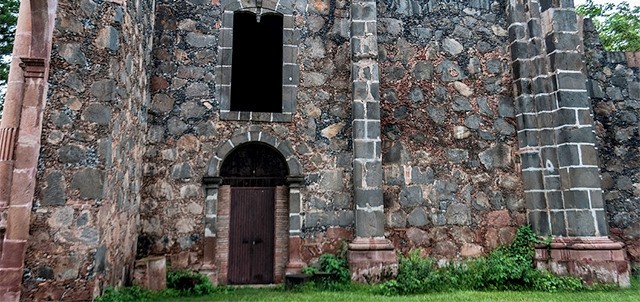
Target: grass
point(364, 293)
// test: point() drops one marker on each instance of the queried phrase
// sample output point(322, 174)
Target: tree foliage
point(618, 26)
point(8, 19)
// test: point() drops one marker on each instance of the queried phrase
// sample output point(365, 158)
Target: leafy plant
point(506, 268)
point(189, 283)
point(331, 273)
point(336, 266)
point(618, 26)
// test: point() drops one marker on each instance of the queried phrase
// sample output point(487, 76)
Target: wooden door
point(251, 235)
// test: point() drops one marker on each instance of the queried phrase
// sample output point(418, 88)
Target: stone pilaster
point(557, 143)
point(27, 150)
point(370, 254)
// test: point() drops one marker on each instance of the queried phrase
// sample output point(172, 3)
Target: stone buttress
point(557, 144)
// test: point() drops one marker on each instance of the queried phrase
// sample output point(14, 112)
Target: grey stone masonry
point(555, 125)
point(367, 155)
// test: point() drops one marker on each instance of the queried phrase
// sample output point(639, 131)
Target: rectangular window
point(256, 72)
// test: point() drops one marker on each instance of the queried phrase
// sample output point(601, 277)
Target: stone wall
point(614, 86)
point(185, 128)
point(86, 207)
point(453, 185)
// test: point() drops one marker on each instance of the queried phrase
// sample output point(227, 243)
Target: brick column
point(557, 143)
point(370, 253)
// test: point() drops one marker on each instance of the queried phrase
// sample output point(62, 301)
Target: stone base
point(594, 259)
point(372, 260)
point(295, 263)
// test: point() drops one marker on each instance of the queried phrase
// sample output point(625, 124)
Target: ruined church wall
point(86, 208)
point(451, 172)
point(185, 129)
point(614, 87)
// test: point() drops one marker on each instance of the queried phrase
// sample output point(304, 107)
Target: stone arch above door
point(283, 146)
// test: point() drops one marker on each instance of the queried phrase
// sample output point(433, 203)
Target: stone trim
point(290, 68)
point(288, 208)
point(283, 146)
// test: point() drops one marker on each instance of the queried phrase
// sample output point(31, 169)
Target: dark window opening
point(256, 74)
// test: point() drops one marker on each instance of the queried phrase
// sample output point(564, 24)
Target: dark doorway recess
point(256, 63)
point(253, 171)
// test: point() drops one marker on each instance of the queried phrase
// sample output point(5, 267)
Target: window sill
point(284, 117)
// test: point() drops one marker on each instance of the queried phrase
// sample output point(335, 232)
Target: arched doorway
point(253, 171)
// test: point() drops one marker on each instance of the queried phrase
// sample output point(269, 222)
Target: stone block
point(89, 182)
point(575, 135)
point(535, 200)
point(498, 156)
point(539, 221)
point(565, 60)
point(568, 155)
point(54, 192)
point(499, 218)
point(564, 42)
point(458, 214)
point(369, 223)
point(569, 80)
point(104, 90)
point(411, 196)
point(558, 227)
point(580, 223)
point(574, 199)
point(519, 50)
point(523, 104)
point(418, 217)
point(369, 197)
point(108, 38)
point(554, 200)
point(597, 202)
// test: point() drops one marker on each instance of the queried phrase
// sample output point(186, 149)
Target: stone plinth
point(594, 259)
point(295, 263)
point(151, 273)
point(372, 259)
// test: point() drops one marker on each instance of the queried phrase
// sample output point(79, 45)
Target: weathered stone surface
point(161, 103)
point(197, 90)
point(452, 46)
point(72, 54)
point(70, 154)
point(418, 217)
point(97, 113)
point(89, 182)
point(104, 90)
point(108, 37)
point(411, 196)
point(54, 193)
point(498, 156)
point(200, 40)
point(458, 214)
point(418, 236)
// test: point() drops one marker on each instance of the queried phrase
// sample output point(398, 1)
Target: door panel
point(251, 235)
